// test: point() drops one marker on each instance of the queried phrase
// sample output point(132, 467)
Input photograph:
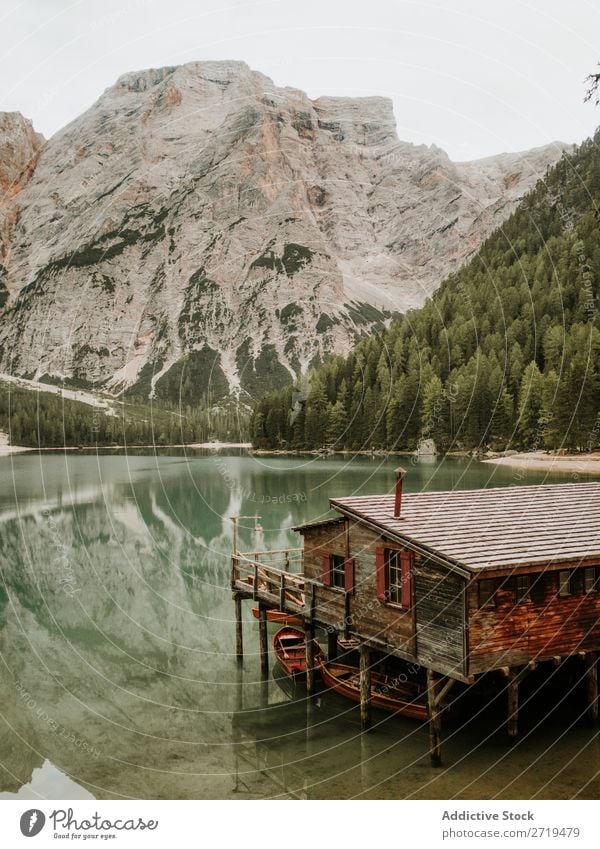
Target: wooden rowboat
point(279, 616)
point(289, 645)
point(295, 596)
point(387, 693)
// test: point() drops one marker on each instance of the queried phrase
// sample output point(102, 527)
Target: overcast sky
point(475, 77)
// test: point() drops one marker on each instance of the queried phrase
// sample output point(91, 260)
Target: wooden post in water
point(591, 676)
point(239, 633)
point(435, 720)
point(263, 640)
point(309, 633)
point(512, 690)
point(332, 645)
point(365, 687)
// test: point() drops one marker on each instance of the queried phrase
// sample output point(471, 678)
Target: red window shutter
point(349, 574)
point(380, 578)
point(405, 564)
point(326, 573)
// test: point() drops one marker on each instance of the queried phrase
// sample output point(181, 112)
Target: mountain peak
point(201, 227)
point(19, 148)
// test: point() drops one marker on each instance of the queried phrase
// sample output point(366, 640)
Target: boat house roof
point(491, 528)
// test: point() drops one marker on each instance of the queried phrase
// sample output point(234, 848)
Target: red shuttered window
point(380, 576)
point(338, 571)
point(405, 564)
point(349, 575)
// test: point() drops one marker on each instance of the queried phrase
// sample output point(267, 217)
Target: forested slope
point(45, 420)
point(505, 354)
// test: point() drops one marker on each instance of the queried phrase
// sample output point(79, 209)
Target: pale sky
point(474, 77)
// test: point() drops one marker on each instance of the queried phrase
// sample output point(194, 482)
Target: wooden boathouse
point(460, 583)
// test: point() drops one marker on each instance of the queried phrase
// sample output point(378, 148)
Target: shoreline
point(574, 464)
point(7, 450)
point(586, 464)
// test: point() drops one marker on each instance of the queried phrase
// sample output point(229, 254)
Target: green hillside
point(505, 354)
point(45, 420)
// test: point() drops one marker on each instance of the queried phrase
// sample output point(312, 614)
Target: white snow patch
point(70, 394)
point(127, 375)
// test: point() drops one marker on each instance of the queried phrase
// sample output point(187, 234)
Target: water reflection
point(47, 782)
point(118, 676)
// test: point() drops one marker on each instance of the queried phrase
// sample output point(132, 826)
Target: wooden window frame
point(490, 601)
point(331, 571)
point(522, 588)
point(393, 566)
point(338, 571)
point(594, 572)
point(562, 592)
point(539, 587)
point(399, 563)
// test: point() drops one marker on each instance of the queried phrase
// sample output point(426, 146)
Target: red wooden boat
point(290, 649)
point(279, 616)
point(387, 693)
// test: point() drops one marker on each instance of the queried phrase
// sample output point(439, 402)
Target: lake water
point(117, 674)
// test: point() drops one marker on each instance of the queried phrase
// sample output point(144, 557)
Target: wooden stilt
point(311, 722)
point(332, 645)
point(435, 720)
point(365, 687)
point(512, 690)
point(239, 692)
point(239, 633)
point(591, 677)
point(309, 632)
point(263, 640)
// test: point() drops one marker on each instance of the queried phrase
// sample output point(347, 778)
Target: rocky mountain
point(200, 230)
point(20, 146)
point(19, 149)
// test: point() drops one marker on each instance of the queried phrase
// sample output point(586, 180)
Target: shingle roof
point(492, 528)
point(334, 520)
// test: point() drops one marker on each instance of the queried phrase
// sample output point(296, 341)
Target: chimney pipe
point(400, 472)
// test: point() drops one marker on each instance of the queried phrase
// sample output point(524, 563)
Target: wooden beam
point(443, 692)
point(239, 633)
point(591, 676)
point(263, 640)
point(512, 690)
point(365, 687)
point(282, 592)
point(435, 720)
point(332, 645)
point(347, 615)
point(396, 651)
point(309, 633)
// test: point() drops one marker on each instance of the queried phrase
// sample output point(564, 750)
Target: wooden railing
point(254, 573)
point(285, 559)
point(287, 590)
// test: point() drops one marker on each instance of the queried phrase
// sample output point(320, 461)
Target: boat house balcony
point(276, 580)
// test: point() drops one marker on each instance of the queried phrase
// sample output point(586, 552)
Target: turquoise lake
point(118, 678)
